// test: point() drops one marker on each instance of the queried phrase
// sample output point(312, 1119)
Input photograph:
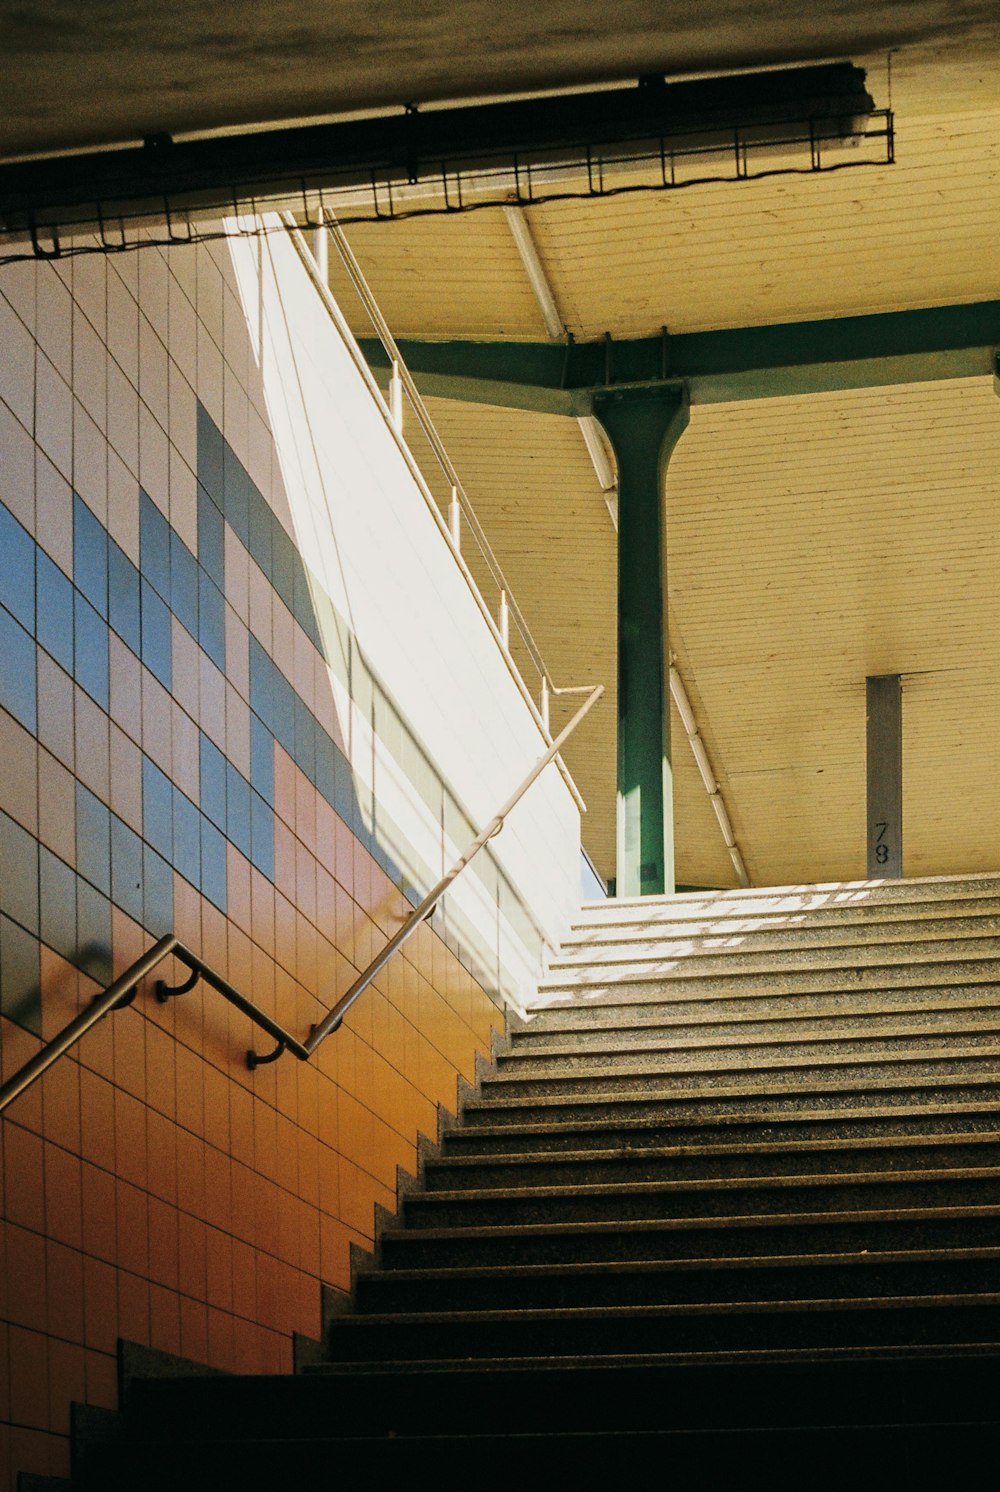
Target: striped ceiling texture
point(812, 540)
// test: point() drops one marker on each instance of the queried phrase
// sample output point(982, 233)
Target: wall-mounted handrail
point(123, 990)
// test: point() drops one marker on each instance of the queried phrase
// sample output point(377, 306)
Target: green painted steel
point(751, 362)
point(643, 426)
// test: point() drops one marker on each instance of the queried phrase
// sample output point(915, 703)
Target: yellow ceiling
point(811, 540)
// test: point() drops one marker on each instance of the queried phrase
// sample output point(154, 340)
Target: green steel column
point(643, 425)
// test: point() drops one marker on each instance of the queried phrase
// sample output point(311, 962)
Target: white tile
point(125, 674)
point(210, 292)
point(123, 328)
point(123, 506)
point(157, 736)
point(236, 414)
point(53, 512)
point(90, 369)
point(123, 417)
point(90, 290)
point(17, 365)
point(259, 447)
point(153, 288)
point(183, 426)
point(236, 340)
point(184, 500)
point(210, 374)
point(90, 462)
point(154, 388)
point(182, 339)
point(18, 288)
point(17, 469)
point(182, 262)
point(54, 329)
point(126, 267)
point(154, 460)
point(54, 416)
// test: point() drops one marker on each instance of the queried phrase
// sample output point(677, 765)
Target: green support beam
point(643, 426)
point(752, 362)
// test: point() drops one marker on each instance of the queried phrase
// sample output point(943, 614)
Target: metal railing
point(461, 516)
point(123, 990)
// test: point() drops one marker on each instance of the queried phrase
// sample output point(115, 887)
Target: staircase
point(729, 1198)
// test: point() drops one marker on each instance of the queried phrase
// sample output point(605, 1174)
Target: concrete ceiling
point(116, 70)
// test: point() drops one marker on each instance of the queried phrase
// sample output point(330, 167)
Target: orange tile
point(194, 1330)
point(102, 1379)
point(100, 1305)
point(217, 1088)
point(219, 1269)
point(306, 953)
point(163, 1244)
point(132, 1159)
point(63, 1197)
point(160, 1175)
point(284, 785)
point(262, 911)
point(266, 1202)
point(245, 1262)
point(29, 1378)
point(130, 1052)
point(190, 1074)
point(67, 1382)
point(100, 1233)
point(192, 1266)
point(305, 812)
point(64, 1291)
point(309, 1242)
point(220, 1340)
point(218, 1189)
point(238, 879)
point(133, 1228)
point(190, 1173)
point(133, 1307)
point(164, 1319)
point(161, 1069)
point(60, 991)
point(24, 1189)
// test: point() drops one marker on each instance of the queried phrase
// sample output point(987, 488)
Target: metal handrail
point(123, 990)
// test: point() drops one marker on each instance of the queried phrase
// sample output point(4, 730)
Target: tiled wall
point(172, 757)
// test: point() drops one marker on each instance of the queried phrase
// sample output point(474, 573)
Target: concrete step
point(902, 1123)
point(625, 945)
point(762, 1235)
point(682, 1006)
point(666, 1282)
point(886, 1321)
point(783, 1071)
point(817, 1023)
point(862, 920)
point(527, 1168)
point(825, 897)
point(785, 1100)
point(717, 1197)
point(634, 984)
point(664, 1058)
point(628, 965)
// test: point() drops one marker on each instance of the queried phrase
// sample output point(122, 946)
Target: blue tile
point(236, 500)
point(261, 681)
point(262, 836)
point(20, 985)
point(210, 456)
point(154, 545)
point(57, 905)
point(93, 840)
point(212, 620)
point(124, 609)
point(187, 838)
point(262, 759)
point(238, 826)
point(18, 874)
point(285, 700)
point(183, 583)
point(55, 611)
point(17, 569)
point(156, 635)
point(259, 522)
point(282, 566)
point(90, 556)
point(90, 650)
point(213, 782)
point(304, 754)
point(157, 894)
point(126, 869)
point(211, 539)
point(326, 766)
point(213, 864)
point(18, 672)
point(157, 809)
point(93, 923)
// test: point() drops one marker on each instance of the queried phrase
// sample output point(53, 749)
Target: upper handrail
point(123, 990)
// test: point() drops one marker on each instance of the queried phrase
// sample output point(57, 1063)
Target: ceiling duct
point(653, 136)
